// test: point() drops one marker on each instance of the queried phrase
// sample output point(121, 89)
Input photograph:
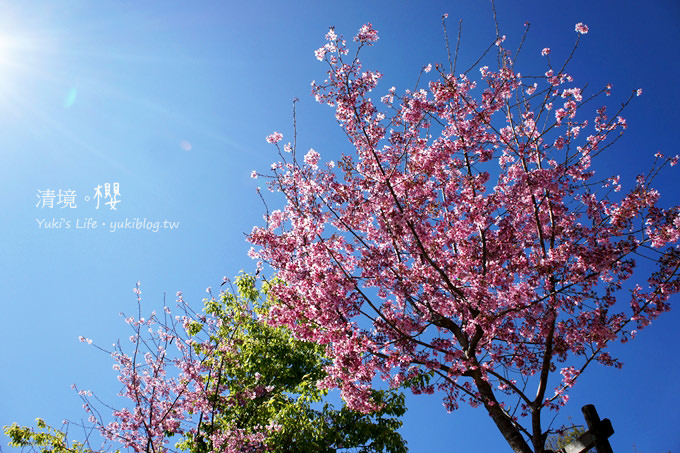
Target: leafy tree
point(559, 440)
point(44, 439)
point(233, 384)
point(465, 244)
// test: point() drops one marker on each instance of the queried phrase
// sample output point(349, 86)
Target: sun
point(4, 48)
point(24, 59)
point(8, 59)
point(8, 47)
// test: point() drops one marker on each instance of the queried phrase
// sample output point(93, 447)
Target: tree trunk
point(504, 423)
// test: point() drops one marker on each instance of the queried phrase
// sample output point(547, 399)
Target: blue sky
point(172, 101)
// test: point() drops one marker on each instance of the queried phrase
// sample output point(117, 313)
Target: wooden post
point(596, 436)
point(601, 429)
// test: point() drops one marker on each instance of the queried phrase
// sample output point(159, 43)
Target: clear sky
point(170, 102)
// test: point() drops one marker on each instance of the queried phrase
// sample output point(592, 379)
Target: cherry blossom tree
point(223, 381)
point(465, 244)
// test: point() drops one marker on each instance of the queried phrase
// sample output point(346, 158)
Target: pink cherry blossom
point(581, 28)
point(312, 157)
point(367, 34)
point(275, 137)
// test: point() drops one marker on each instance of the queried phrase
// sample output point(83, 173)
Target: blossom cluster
point(465, 237)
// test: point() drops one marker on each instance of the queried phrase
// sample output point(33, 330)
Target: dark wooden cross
point(597, 435)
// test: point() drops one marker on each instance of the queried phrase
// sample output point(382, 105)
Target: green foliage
point(280, 373)
point(561, 439)
point(45, 439)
